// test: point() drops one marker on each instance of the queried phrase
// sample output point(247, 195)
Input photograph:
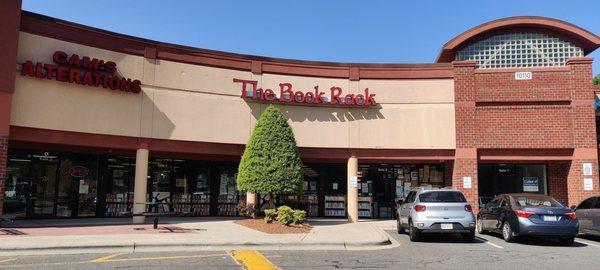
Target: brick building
point(96, 123)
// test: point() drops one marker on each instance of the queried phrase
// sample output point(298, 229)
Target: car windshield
point(441, 196)
point(536, 201)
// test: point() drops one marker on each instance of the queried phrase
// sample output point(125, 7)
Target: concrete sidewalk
point(119, 235)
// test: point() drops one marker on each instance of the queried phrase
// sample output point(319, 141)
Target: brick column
point(584, 130)
point(465, 165)
point(3, 160)
point(557, 181)
point(10, 21)
point(448, 171)
point(465, 162)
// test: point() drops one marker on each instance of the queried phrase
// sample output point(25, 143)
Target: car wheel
point(479, 227)
point(399, 227)
point(413, 232)
point(468, 237)
point(567, 241)
point(507, 232)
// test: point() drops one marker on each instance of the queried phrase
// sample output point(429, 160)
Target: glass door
point(43, 188)
point(77, 186)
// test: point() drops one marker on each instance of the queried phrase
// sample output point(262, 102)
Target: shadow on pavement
point(590, 237)
point(327, 222)
point(436, 238)
point(539, 241)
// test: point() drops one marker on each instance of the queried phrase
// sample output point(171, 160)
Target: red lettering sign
point(81, 70)
point(79, 171)
point(289, 95)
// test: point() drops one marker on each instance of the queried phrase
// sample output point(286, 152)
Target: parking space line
point(586, 243)
point(165, 258)
point(105, 258)
point(253, 260)
point(488, 242)
point(8, 260)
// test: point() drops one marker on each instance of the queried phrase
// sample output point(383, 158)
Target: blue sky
point(346, 31)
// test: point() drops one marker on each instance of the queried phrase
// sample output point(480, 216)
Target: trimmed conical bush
point(271, 163)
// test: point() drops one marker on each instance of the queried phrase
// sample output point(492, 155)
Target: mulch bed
point(274, 227)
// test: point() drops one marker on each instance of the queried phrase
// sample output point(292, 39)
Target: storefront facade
point(95, 123)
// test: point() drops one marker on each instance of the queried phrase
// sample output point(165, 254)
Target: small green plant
point(596, 80)
point(270, 215)
point(246, 210)
point(299, 216)
point(285, 215)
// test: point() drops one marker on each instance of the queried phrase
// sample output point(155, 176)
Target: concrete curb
point(142, 247)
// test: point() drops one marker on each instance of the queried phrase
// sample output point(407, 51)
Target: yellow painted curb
point(253, 260)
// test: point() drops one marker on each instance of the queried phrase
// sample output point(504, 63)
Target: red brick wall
point(465, 163)
point(448, 169)
point(466, 167)
point(3, 161)
point(544, 86)
point(554, 110)
point(557, 185)
point(546, 126)
point(575, 190)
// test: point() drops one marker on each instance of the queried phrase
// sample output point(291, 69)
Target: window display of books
point(118, 204)
point(335, 206)
point(192, 204)
point(365, 207)
point(200, 198)
point(228, 204)
point(227, 199)
point(311, 201)
point(227, 210)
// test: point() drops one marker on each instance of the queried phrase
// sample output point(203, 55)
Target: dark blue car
point(521, 214)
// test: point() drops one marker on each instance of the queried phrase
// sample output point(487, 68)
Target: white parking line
point(489, 243)
point(586, 243)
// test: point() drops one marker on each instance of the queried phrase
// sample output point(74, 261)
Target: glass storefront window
point(227, 190)
point(16, 191)
point(532, 178)
point(497, 179)
point(119, 185)
point(43, 184)
point(77, 186)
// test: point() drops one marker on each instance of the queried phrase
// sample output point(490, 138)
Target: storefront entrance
point(43, 187)
point(497, 179)
point(47, 185)
point(383, 186)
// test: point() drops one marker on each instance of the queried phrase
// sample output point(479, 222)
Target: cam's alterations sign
point(81, 70)
point(286, 94)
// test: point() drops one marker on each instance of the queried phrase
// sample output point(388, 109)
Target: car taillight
point(468, 208)
point(571, 215)
point(524, 214)
point(420, 208)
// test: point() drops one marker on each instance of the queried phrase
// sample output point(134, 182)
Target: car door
point(487, 214)
point(583, 214)
point(406, 207)
point(497, 213)
point(594, 216)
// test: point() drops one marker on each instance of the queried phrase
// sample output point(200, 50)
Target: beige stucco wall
point(197, 103)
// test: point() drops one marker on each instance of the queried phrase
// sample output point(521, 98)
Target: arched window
point(520, 50)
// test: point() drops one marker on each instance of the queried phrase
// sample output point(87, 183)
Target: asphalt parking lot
point(434, 252)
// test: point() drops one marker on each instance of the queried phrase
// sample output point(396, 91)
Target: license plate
point(549, 218)
point(446, 226)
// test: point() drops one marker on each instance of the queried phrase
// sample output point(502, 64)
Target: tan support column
point(352, 189)
point(250, 198)
point(141, 179)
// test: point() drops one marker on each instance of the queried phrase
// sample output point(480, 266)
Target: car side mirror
point(573, 207)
